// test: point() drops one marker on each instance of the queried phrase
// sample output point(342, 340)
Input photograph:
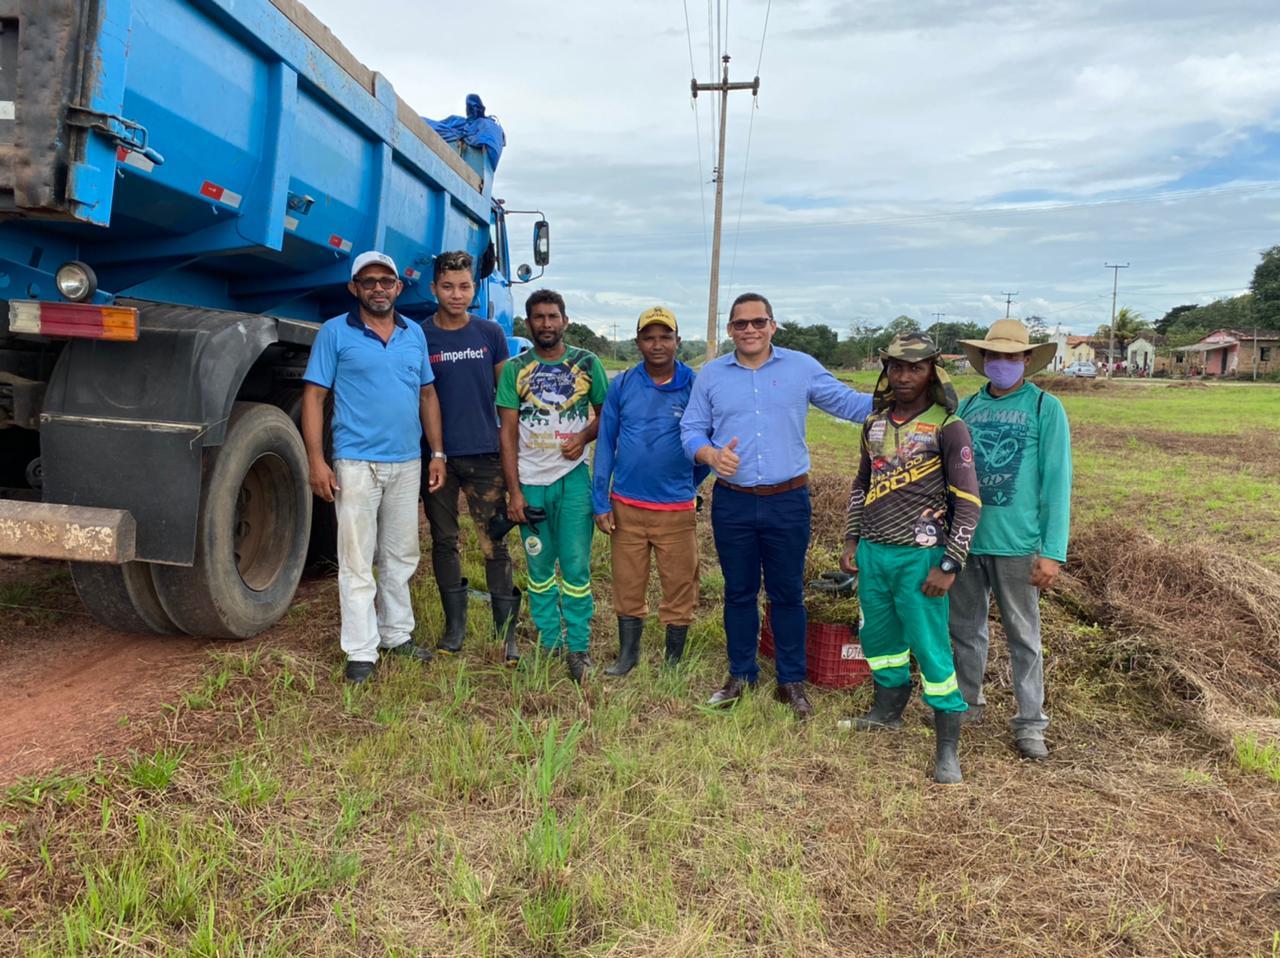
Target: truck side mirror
point(542, 242)
point(524, 273)
point(488, 261)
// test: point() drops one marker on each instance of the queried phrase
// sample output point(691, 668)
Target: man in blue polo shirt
point(375, 363)
point(746, 420)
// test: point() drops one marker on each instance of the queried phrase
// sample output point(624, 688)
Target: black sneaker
point(410, 650)
point(357, 672)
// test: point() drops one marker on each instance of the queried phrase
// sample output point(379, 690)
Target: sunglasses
point(738, 325)
point(380, 282)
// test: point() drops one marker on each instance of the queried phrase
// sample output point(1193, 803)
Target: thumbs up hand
point(726, 460)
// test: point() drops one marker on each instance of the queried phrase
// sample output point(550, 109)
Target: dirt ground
point(77, 690)
point(1257, 453)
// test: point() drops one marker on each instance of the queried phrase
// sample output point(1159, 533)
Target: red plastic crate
point(833, 654)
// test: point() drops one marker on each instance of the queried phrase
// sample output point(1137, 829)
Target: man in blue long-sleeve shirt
point(746, 420)
point(643, 490)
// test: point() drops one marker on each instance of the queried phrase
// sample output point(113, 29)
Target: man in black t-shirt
point(467, 354)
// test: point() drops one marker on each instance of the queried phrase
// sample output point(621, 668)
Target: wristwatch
point(949, 565)
point(440, 455)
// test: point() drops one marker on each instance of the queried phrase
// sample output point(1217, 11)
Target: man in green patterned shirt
point(912, 513)
point(545, 401)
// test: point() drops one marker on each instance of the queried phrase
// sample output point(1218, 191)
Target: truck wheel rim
point(264, 521)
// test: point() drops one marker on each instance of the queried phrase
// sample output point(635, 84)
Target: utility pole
point(1255, 339)
point(937, 317)
point(723, 88)
point(1008, 302)
point(1115, 281)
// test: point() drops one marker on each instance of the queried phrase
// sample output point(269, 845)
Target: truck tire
point(122, 597)
point(251, 534)
point(322, 548)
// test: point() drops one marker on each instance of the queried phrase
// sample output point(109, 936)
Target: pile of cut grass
point(1201, 625)
point(1070, 384)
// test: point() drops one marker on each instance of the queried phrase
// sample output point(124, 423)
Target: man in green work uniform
point(1022, 446)
point(912, 513)
point(545, 399)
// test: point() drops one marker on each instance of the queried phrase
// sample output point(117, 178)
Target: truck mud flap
point(149, 471)
point(125, 425)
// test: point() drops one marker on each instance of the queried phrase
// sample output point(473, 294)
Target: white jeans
point(377, 504)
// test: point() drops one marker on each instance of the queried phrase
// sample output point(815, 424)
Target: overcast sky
point(906, 156)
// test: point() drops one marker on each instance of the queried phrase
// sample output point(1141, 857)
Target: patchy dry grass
point(468, 809)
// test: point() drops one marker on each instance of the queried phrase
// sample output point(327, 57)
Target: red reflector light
point(75, 320)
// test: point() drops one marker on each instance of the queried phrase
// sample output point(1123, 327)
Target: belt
point(798, 482)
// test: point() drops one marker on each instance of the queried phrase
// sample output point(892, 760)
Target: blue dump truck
point(183, 186)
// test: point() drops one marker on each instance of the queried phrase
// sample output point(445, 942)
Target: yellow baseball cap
point(657, 314)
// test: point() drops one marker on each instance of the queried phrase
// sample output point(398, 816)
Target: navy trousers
point(768, 534)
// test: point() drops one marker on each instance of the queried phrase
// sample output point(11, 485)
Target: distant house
point(1140, 356)
point(1148, 355)
point(958, 361)
point(1071, 349)
point(1231, 352)
point(1102, 350)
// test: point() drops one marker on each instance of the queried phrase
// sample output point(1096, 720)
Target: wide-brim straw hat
point(1009, 336)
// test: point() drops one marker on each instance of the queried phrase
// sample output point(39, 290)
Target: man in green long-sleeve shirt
point(1022, 450)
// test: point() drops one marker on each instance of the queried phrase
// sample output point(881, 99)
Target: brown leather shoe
point(792, 693)
point(731, 692)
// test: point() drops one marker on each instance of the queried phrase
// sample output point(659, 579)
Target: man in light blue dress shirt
point(746, 420)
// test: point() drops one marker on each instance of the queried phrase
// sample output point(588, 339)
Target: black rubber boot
point(506, 614)
point(580, 665)
point(455, 619)
point(886, 712)
point(676, 635)
point(946, 760)
point(629, 631)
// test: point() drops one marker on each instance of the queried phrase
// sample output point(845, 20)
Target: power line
point(742, 194)
point(688, 32)
point(697, 133)
point(763, 33)
point(719, 38)
point(746, 157)
point(1008, 302)
point(713, 57)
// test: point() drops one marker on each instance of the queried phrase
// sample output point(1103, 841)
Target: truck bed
point(230, 154)
point(322, 37)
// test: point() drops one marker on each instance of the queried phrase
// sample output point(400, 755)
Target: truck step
point(47, 530)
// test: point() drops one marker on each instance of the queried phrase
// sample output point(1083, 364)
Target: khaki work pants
point(673, 541)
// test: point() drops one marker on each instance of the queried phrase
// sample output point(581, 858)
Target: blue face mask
point(1004, 373)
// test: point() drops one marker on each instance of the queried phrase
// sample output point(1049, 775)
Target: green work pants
point(564, 538)
point(900, 621)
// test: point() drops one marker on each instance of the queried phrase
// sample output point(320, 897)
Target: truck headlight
point(76, 281)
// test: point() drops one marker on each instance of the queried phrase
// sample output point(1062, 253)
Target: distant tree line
point(1259, 308)
point(584, 337)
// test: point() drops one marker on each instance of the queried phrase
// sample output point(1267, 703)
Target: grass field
point(465, 809)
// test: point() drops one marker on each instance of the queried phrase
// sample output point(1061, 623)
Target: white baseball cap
point(371, 257)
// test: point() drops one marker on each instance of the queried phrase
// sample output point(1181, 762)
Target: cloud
point(903, 157)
